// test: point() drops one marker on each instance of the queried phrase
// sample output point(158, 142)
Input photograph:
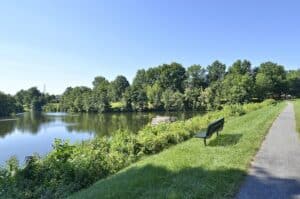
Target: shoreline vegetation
point(167, 87)
point(172, 87)
point(191, 170)
point(70, 167)
point(297, 114)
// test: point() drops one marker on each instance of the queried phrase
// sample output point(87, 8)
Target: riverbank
point(297, 114)
point(191, 170)
point(69, 168)
point(34, 132)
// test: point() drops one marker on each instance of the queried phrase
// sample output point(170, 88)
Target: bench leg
point(204, 141)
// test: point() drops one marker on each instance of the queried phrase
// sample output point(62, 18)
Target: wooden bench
point(212, 128)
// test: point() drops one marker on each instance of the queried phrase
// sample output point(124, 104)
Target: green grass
point(297, 114)
point(116, 105)
point(190, 170)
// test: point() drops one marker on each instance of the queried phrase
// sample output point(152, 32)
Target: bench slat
point(201, 135)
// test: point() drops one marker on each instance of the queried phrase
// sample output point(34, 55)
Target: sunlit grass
point(191, 170)
point(297, 114)
point(116, 105)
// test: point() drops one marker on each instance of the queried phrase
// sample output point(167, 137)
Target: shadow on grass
point(225, 140)
point(150, 181)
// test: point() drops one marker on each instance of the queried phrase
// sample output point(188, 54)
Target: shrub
point(234, 110)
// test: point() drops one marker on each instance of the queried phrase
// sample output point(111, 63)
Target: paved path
point(275, 171)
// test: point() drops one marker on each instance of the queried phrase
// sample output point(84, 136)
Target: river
point(30, 133)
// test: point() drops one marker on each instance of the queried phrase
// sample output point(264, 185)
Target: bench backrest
point(214, 127)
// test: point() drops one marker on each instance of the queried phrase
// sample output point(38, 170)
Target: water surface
point(30, 133)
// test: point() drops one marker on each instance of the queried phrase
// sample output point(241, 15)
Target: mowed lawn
point(191, 170)
point(297, 114)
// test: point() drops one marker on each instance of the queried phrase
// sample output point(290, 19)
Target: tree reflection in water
point(98, 124)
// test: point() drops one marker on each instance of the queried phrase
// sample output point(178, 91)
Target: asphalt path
point(275, 171)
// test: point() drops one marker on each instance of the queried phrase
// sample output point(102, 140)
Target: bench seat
point(201, 135)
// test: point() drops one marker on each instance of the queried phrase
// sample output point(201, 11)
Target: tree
point(293, 82)
point(178, 101)
point(167, 99)
point(87, 101)
point(139, 80)
point(76, 99)
point(7, 105)
point(139, 99)
point(173, 100)
point(237, 88)
point(211, 97)
point(20, 96)
point(154, 95)
point(118, 87)
point(127, 99)
point(66, 101)
point(99, 80)
point(172, 76)
point(216, 71)
point(32, 98)
point(152, 75)
point(100, 98)
point(270, 80)
point(195, 77)
point(33, 92)
point(192, 98)
point(36, 105)
point(240, 67)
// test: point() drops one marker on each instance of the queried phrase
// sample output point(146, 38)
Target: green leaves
point(8, 105)
point(171, 87)
point(216, 71)
point(271, 80)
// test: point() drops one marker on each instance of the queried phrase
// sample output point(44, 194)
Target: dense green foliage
point(33, 99)
point(70, 167)
point(297, 114)
point(189, 169)
point(169, 87)
point(52, 107)
point(293, 82)
point(8, 105)
point(172, 87)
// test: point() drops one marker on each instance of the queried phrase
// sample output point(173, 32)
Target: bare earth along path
point(275, 171)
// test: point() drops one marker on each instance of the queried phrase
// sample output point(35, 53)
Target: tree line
point(172, 87)
point(167, 87)
point(24, 100)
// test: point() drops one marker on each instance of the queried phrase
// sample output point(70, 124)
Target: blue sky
point(68, 43)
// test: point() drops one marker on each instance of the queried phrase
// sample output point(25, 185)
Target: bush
point(234, 110)
point(71, 167)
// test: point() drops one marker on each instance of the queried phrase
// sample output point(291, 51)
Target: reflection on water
point(28, 133)
point(27, 122)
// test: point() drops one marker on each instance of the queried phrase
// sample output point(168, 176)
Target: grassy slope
point(190, 170)
point(297, 113)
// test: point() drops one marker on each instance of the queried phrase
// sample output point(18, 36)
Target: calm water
point(31, 133)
